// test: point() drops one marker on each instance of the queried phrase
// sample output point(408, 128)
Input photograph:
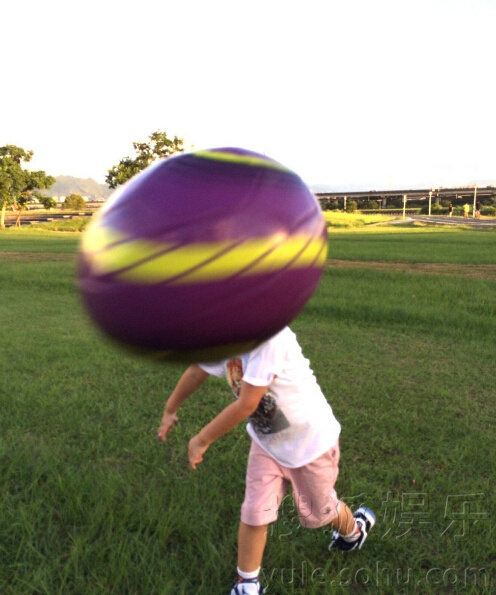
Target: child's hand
point(169, 420)
point(196, 450)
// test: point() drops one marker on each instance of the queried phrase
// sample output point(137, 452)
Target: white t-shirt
point(294, 423)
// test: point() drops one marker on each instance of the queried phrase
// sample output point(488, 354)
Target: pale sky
point(375, 94)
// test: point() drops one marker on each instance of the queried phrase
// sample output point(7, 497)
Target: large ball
point(203, 255)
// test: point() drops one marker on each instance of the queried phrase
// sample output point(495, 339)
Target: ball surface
point(203, 255)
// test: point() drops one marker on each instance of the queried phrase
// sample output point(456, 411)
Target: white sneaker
point(248, 586)
point(365, 520)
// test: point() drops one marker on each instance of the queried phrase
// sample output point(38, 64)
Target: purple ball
point(203, 255)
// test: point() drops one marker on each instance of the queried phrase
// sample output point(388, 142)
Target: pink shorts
point(313, 488)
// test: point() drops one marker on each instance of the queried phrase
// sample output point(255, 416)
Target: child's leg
point(265, 490)
point(318, 505)
point(344, 523)
point(251, 545)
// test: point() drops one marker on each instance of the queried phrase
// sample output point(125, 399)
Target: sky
point(354, 94)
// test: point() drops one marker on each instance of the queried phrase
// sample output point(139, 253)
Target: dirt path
point(479, 271)
point(37, 256)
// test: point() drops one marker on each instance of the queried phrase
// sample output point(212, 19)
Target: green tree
point(74, 202)
point(351, 206)
point(18, 185)
point(48, 202)
point(160, 146)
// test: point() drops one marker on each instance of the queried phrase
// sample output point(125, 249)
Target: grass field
point(401, 336)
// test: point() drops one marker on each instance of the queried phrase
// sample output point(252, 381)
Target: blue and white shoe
point(365, 519)
point(248, 586)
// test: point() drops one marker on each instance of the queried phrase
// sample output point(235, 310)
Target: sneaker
point(248, 586)
point(365, 520)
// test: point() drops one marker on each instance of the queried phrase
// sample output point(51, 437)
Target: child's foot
point(365, 519)
point(248, 586)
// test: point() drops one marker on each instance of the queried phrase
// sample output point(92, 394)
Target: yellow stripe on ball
point(250, 160)
point(109, 251)
point(146, 262)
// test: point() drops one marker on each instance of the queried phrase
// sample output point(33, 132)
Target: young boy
point(295, 441)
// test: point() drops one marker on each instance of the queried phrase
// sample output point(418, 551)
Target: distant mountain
point(86, 187)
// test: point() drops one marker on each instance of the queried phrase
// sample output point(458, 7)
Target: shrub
point(488, 211)
point(76, 224)
point(368, 205)
point(49, 203)
point(329, 205)
point(435, 210)
point(74, 202)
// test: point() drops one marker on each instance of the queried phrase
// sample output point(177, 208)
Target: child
point(295, 440)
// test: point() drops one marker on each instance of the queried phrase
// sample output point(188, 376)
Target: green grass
point(426, 244)
point(338, 220)
point(38, 241)
point(92, 503)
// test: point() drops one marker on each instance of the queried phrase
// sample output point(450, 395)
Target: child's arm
point(228, 418)
point(189, 382)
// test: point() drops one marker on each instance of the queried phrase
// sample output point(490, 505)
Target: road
point(28, 218)
point(445, 220)
point(36, 217)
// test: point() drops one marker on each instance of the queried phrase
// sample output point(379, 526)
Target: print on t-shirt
point(267, 419)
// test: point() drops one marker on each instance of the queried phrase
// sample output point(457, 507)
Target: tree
point(351, 206)
point(74, 202)
point(18, 185)
point(48, 202)
point(160, 146)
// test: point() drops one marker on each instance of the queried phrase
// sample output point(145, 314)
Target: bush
point(368, 205)
point(76, 224)
point(488, 211)
point(74, 202)
point(351, 206)
point(329, 205)
point(49, 203)
point(435, 210)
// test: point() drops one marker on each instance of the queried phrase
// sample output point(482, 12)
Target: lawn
point(92, 503)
